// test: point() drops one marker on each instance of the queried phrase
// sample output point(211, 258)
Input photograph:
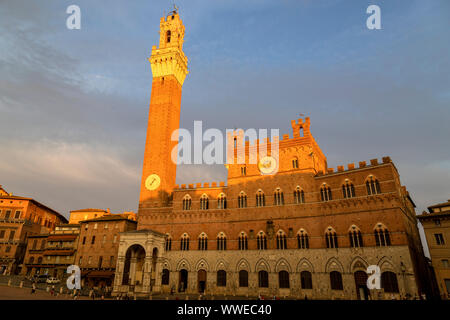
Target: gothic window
point(222, 201)
point(243, 171)
point(373, 186)
point(260, 199)
point(295, 163)
point(203, 241)
point(348, 190)
point(165, 277)
point(261, 241)
point(221, 241)
point(439, 237)
point(283, 279)
point(168, 243)
point(187, 202)
point(263, 279)
point(336, 280)
point(168, 35)
point(278, 197)
point(184, 244)
point(281, 240)
point(243, 278)
point(242, 200)
point(31, 260)
point(302, 239)
point(355, 237)
point(389, 282)
point(331, 238)
point(382, 236)
point(221, 278)
point(243, 241)
point(204, 202)
point(299, 195)
point(306, 280)
point(325, 193)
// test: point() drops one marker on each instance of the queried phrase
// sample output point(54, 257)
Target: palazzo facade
point(287, 225)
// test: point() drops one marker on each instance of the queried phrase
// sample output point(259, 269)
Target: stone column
point(119, 273)
point(147, 272)
point(132, 271)
point(158, 271)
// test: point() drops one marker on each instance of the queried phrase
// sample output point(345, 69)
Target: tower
point(169, 69)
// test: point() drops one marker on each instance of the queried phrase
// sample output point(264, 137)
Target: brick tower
point(169, 69)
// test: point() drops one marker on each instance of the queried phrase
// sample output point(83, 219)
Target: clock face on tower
point(267, 165)
point(152, 182)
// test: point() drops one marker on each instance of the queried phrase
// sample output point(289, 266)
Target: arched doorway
point(201, 277)
point(361, 285)
point(133, 271)
point(183, 280)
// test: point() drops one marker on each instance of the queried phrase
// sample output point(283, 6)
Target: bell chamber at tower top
point(168, 58)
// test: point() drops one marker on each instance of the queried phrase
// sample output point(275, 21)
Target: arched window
point(302, 239)
point(295, 163)
point(263, 279)
point(184, 243)
point(331, 238)
point(348, 190)
point(283, 279)
point(355, 237)
point(306, 280)
point(168, 243)
point(336, 280)
point(221, 241)
point(325, 193)
point(222, 201)
point(260, 199)
point(243, 241)
point(168, 35)
point(243, 278)
point(261, 240)
point(187, 202)
point(299, 195)
point(203, 241)
point(165, 277)
point(389, 282)
point(204, 202)
point(382, 236)
point(243, 171)
point(39, 260)
point(281, 240)
point(242, 200)
point(278, 197)
point(372, 185)
point(31, 260)
point(221, 278)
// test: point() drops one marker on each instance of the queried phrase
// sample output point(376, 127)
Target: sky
point(74, 103)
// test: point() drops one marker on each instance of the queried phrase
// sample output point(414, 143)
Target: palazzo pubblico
point(308, 230)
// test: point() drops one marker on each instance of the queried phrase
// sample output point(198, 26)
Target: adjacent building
point(52, 253)
point(98, 245)
point(20, 218)
point(436, 224)
point(76, 216)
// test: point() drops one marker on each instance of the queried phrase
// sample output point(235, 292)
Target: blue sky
point(74, 103)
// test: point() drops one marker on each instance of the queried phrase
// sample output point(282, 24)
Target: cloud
point(45, 168)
